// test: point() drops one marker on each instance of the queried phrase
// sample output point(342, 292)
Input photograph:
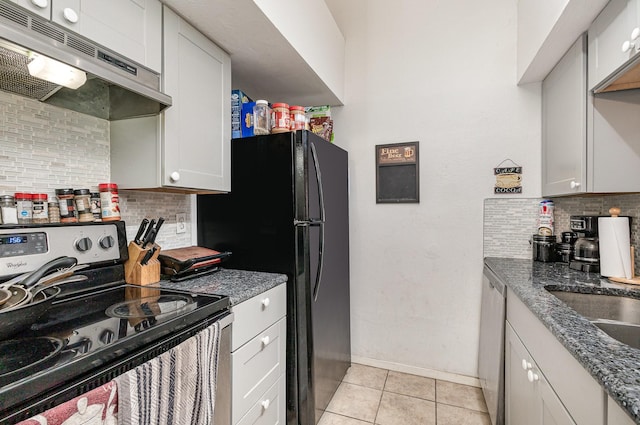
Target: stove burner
point(19, 357)
point(150, 307)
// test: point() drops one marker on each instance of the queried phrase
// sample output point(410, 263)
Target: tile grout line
point(381, 395)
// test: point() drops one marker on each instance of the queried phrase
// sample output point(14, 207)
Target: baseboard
point(420, 371)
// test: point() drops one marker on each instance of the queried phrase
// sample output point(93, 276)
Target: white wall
point(442, 73)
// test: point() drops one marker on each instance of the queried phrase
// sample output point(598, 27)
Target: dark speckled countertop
point(238, 285)
point(613, 364)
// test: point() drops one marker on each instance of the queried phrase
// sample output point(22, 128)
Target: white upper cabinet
point(614, 38)
point(132, 28)
point(39, 7)
point(282, 50)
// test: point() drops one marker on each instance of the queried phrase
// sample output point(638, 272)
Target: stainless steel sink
point(617, 316)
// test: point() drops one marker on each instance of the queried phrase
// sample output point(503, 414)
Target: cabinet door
point(39, 7)
point(564, 124)
point(197, 136)
point(606, 35)
point(521, 404)
point(552, 410)
point(132, 28)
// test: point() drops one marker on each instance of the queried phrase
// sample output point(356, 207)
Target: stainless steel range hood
point(116, 87)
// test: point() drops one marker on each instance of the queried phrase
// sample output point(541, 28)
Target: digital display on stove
point(14, 239)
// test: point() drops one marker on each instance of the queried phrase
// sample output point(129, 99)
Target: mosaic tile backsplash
point(43, 147)
point(509, 223)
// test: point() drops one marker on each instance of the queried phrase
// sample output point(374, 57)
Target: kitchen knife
point(143, 225)
point(154, 234)
point(147, 256)
point(145, 238)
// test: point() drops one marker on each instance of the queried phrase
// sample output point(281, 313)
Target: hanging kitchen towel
point(175, 388)
point(614, 247)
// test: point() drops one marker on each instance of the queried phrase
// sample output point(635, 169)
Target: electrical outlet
point(181, 223)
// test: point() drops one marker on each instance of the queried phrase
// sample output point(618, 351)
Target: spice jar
point(54, 212)
point(24, 204)
point(40, 208)
point(8, 209)
point(109, 201)
point(298, 118)
point(261, 124)
point(67, 206)
point(82, 198)
point(280, 118)
point(95, 206)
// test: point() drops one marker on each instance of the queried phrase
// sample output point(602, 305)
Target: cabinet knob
point(40, 3)
point(175, 176)
point(265, 404)
point(525, 364)
point(635, 34)
point(266, 341)
point(70, 15)
point(575, 184)
point(266, 302)
point(532, 377)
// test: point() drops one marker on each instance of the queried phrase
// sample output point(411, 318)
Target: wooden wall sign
point(397, 173)
point(508, 179)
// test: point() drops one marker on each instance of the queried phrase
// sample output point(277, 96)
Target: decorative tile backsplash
point(43, 148)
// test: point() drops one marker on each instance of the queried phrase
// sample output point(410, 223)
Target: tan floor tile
point(460, 395)
point(329, 418)
point(397, 409)
point(366, 376)
point(453, 415)
point(355, 401)
point(411, 385)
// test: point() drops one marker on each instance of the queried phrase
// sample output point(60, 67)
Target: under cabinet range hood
point(115, 88)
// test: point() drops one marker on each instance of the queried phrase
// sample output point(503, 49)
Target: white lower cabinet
point(258, 357)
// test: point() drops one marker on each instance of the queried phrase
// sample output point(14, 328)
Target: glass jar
point(54, 212)
point(261, 115)
point(8, 210)
point(40, 208)
point(95, 206)
point(24, 204)
point(109, 201)
point(280, 118)
point(82, 198)
point(67, 206)
point(298, 118)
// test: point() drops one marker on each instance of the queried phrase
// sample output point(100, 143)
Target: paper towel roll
point(615, 247)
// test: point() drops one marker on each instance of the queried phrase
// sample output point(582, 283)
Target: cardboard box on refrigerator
point(246, 121)
point(238, 98)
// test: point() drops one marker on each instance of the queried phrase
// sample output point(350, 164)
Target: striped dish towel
point(177, 387)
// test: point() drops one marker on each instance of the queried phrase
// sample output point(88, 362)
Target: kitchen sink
point(617, 316)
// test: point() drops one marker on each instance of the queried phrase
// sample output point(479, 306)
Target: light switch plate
point(181, 223)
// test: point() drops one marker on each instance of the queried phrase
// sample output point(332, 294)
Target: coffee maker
point(586, 253)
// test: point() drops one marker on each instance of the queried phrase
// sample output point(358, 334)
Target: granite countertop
point(238, 285)
point(613, 364)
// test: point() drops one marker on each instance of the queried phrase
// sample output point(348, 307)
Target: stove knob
point(106, 242)
point(83, 244)
point(106, 337)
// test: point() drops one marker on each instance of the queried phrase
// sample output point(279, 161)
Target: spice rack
point(137, 273)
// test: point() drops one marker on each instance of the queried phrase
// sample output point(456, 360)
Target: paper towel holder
point(635, 280)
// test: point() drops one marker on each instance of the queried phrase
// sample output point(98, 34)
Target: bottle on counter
point(109, 201)
point(298, 118)
point(40, 208)
point(67, 206)
point(261, 118)
point(545, 218)
point(24, 204)
point(82, 199)
point(8, 210)
point(54, 212)
point(95, 206)
point(280, 118)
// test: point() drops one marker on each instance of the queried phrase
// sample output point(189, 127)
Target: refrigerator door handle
point(320, 222)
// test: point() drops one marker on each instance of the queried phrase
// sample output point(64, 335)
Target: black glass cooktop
point(84, 333)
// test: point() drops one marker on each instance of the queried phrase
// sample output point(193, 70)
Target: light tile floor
point(368, 395)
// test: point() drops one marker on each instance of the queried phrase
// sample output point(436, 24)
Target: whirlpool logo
point(17, 265)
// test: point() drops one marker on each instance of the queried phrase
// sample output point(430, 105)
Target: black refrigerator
point(288, 212)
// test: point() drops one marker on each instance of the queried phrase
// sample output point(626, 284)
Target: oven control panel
point(26, 249)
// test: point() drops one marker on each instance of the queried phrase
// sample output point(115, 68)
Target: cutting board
point(192, 257)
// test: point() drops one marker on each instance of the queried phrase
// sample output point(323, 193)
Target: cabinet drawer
point(269, 409)
point(257, 313)
point(256, 366)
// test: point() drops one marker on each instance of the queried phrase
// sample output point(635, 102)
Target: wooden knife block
point(138, 274)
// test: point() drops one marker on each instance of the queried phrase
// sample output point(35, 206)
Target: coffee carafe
point(586, 256)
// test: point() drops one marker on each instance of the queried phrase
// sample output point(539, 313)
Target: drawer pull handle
point(265, 404)
point(266, 302)
point(526, 365)
point(265, 341)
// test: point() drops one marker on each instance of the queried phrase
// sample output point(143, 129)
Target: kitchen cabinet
point(132, 28)
point(39, 7)
point(258, 347)
point(564, 124)
point(187, 147)
point(616, 415)
point(544, 383)
point(614, 39)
